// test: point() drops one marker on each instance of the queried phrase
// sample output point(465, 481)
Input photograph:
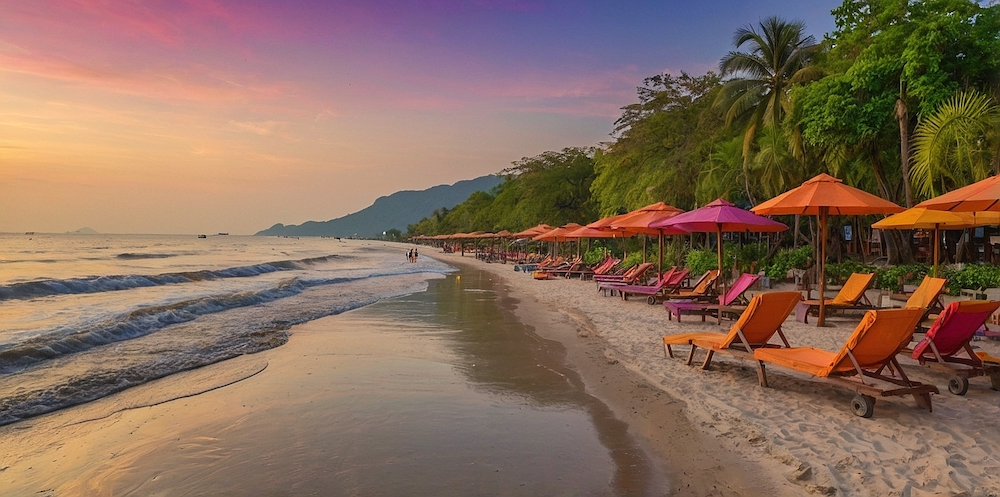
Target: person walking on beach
point(414, 255)
point(409, 255)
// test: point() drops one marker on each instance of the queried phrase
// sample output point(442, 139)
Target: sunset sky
point(191, 116)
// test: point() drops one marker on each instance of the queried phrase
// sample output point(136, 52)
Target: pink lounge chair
point(670, 280)
point(949, 336)
point(631, 277)
point(726, 302)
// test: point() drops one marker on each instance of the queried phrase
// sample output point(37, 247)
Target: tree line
point(900, 100)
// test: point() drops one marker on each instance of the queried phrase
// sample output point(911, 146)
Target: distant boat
point(29, 232)
point(223, 234)
point(202, 236)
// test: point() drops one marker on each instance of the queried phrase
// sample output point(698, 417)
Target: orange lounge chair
point(851, 296)
point(702, 289)
point(756, 326)
point(870, 350)
point(949, 336)
point(927, 296)
point(726, 302)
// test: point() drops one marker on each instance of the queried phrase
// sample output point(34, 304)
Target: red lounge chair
point(943, 346)
point(670, 279)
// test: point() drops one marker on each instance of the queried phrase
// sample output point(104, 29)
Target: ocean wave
point(133, 255)
point(98, 284)
point(31, 389)
point(142, 321)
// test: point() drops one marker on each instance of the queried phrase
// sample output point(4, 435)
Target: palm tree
point(778, 57)
point(957, 144)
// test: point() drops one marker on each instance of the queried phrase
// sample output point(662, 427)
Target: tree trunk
point(903, 118)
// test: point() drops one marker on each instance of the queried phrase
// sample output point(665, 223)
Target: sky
point(205, 116)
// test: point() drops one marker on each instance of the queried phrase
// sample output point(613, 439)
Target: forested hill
point(395, 211)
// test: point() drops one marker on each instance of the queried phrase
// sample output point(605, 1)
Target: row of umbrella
point(822, 196)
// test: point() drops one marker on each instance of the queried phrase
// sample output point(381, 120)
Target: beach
point(799, 435)
point(493, 383)
point(438, 392)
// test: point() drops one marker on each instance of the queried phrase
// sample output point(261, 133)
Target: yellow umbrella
point(923, 218)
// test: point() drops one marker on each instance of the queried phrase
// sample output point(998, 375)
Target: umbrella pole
point(823, 211)
point(718, 238)
point(661, 252)
point(937, 243)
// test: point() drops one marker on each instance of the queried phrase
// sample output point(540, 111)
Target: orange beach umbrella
point(639, 221)
point(980, 196)
point(822, 196)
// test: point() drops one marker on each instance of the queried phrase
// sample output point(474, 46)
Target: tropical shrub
point(786, 260)
point(701, 260)
point(594, 255)
point(838, 273)
point(894, 277)
point(972, 277)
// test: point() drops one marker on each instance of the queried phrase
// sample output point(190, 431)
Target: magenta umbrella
point(717, 217)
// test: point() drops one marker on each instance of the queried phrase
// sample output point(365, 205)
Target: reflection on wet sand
point(435, 393)
point(504, 359)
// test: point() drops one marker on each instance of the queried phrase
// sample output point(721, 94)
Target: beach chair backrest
point(706, 281)
point(665, 277)
point(763, 316)
point(877, 339)
point(742, 284)
point(678, 277)
point(854, 288)
point(925, 294)
point(955, 327)
point(607, 266)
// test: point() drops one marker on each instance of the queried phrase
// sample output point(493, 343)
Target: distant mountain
point(83, 231)
point(394, 211)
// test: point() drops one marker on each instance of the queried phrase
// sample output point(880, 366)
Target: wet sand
point(696, 462)
point(437, 393)
point(797, 437)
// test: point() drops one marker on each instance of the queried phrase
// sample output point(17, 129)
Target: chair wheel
point(958, 385)
point(651, 300)
point(863, 405)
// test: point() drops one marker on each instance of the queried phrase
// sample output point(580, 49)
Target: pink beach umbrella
point(721, 216)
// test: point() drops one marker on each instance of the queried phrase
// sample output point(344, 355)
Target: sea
point(85, 316)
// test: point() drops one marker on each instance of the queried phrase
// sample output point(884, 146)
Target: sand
point(797, 437)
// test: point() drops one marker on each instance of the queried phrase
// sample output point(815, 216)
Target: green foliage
point(594, 255)
point(786, 260)
point(632, 259)
point(894, 277)
point(837, 273)
point(749, 258)
point(551, 188)
point(953, 145)
point(699, 261)
point(972, 277)
point(662, 143)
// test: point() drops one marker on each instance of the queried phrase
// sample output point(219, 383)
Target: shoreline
point(796, 437)
point(695, 463)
